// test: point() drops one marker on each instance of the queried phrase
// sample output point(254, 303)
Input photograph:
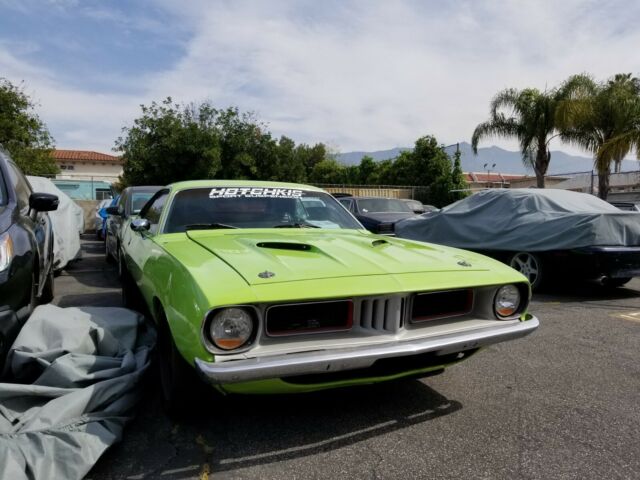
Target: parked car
point(545, 234)
point(26, 249)
point(100, 217)
point(266, 287)
point(377, 214)
point(627, 206)
point(130, 201)
point(418, 207)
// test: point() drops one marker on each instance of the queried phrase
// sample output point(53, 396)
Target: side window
point(346, 203)
point(21, 186)
point(153, 209)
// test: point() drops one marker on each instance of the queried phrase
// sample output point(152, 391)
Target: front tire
point(178, 380)
point(131, 297)
point(107, 255)
point(530, 265)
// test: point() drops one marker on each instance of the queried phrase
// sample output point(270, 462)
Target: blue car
point(101, 214)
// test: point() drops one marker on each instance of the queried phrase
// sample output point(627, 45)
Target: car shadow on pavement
point(587, 291)
point(237, 432)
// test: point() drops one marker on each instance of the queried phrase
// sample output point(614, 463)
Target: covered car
point(67, 222)
point(544, 233)
point(264, 287)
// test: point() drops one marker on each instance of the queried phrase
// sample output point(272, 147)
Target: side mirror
point(140, 225)
point(113, 210)
point(43, 202)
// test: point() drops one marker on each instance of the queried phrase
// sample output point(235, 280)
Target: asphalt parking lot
point(560, 404)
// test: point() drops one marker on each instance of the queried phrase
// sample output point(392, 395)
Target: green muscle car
point(264, 287)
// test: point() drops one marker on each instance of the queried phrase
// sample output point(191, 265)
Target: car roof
point(144, 188)
point(239, 183)
point(376, 198)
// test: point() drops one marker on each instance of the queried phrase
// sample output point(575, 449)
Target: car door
point(139, 247)
point(37, 222)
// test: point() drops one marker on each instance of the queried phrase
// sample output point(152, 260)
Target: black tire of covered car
point(530, 265)
point(48, 291)
point(180, 387)
point(107, 255)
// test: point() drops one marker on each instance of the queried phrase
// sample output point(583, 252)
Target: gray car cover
point(76, 373)
point(525, 220)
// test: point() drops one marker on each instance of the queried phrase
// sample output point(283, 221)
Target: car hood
point(385, 217)
point(271, 256)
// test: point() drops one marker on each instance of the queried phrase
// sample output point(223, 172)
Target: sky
point(356, 75)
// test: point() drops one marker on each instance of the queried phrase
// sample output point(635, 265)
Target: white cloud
point(360, 75)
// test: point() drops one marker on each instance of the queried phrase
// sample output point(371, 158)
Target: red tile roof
point(84, 155)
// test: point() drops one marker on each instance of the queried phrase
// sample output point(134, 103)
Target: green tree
point(595, 114)
point(367, 171)
point(458, 181)
point(328, 171)
point(170, 143)
point(528, 115)
point(22, 132)
point(290, 162)
point(433, 170)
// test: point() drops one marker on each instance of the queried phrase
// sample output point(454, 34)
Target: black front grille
point(314, 317)
point(434, 305)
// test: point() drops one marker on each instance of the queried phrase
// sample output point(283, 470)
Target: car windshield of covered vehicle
point(255, 207)
point(383, 205)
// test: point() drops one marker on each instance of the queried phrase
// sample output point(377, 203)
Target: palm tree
point(530, 118)
point(601, 118)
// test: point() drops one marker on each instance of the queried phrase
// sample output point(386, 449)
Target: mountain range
point(505, 161)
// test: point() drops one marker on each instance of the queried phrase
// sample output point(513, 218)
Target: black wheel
point(131, 297)
point(615, 282)
point(33, 298)
point(48, 291)
point(107, 256)
point(181, 389)
point(120, 262)
point(530, 265)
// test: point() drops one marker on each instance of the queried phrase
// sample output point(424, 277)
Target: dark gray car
point(377, 214)
point(26, 249)
point(131, 201)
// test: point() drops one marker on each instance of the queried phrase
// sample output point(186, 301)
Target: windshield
point(138, 200)
point(256, 207)
point(379, 205)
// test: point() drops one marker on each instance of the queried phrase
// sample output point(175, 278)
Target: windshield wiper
point(207, 226)
point(296, 225)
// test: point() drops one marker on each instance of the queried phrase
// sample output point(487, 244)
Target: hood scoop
point(299, 247)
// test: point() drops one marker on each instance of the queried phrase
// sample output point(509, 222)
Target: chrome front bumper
point(335, 360)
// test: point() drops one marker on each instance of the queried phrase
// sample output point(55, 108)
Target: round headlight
point(507, 301)
point(231, 328)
